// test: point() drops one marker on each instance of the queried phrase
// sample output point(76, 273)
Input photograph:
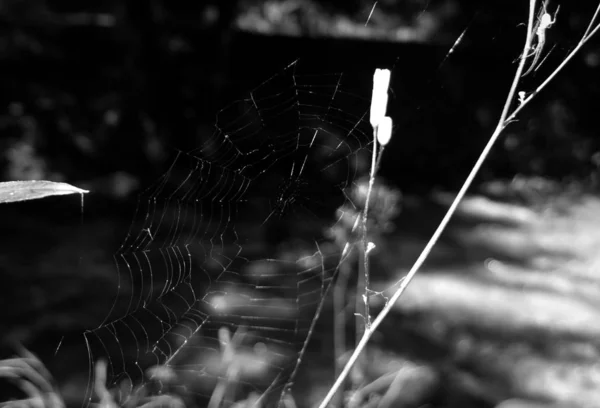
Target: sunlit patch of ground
point(520, 315)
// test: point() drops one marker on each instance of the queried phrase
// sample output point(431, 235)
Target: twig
point(434, 238)
point(511, 93)
point(505, 119)
point(587, 34)
point(339, 320)
point(364, 238)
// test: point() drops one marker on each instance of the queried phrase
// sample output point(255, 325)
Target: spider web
point(204, 292)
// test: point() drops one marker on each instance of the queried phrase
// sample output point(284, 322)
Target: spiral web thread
point(196, 259)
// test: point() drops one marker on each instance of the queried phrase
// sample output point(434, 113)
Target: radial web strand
point(204, 271)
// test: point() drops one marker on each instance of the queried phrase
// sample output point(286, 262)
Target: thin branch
point(339, 321)
point(587, 35)
point(517, 78)
point(365, 242)
point(441, 227)
point(505, 119)
point(569, 57)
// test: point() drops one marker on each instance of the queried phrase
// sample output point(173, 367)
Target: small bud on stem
point(384, 130)
point(379, 98)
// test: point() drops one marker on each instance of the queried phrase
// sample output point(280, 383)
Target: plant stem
point(370, 329)
point(505, 119)
point(365, 240)
point(339, 321)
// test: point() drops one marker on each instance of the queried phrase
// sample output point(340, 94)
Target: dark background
point(115, 87)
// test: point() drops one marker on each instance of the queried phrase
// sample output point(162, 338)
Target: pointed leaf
point(13, 191)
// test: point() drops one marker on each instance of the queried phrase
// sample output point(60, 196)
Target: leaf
point(13, 191)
